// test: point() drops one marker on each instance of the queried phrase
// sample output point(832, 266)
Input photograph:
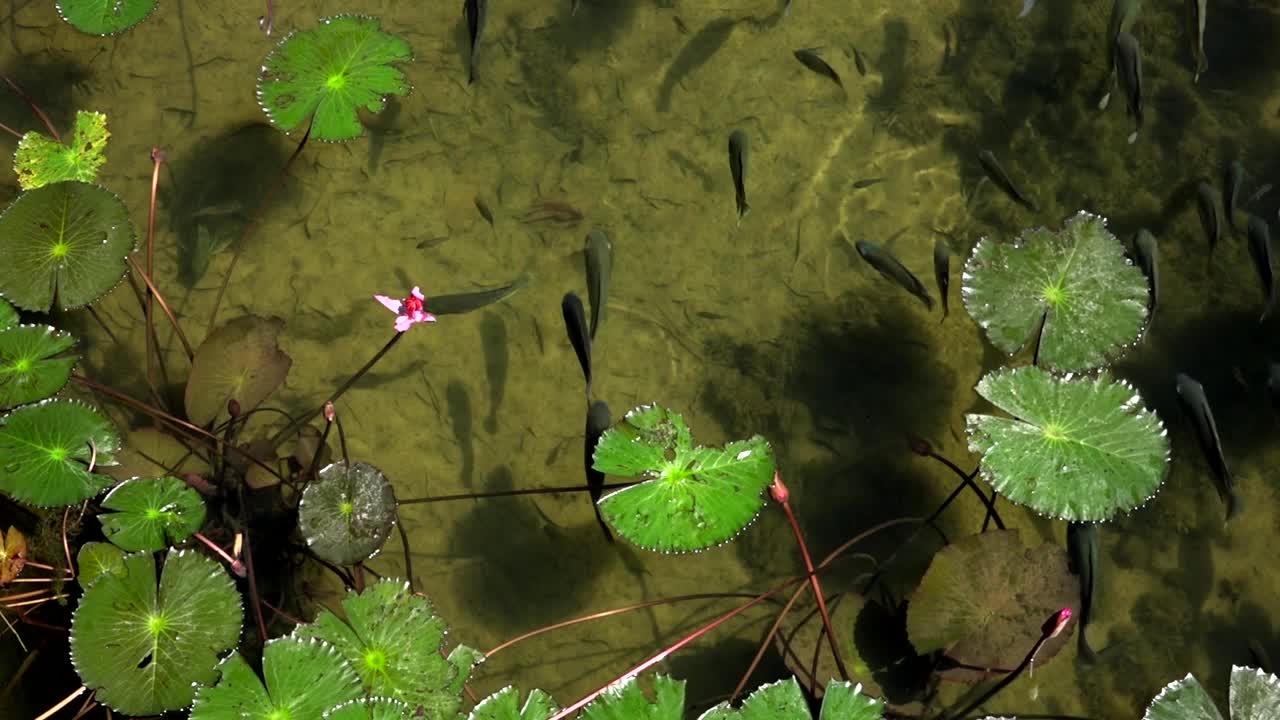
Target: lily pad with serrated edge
point(65, 242)
point(1091, 298)
point(347, 514)
point(692, 497)
point(304, 679)
point(505, 705)
point(984, 600)
point(370, 708)
point(393, 640)
point(46, 448)
point(143, 646)
point(40, 160)
point(8, 316)
point(13, 554)
point(1254, 694)
point(327, 73)
point(104, 17)
point(1182, 700)
point(241, 360)
point(151, 513)
point(96, 559)
point(1078, 449)
point(783, 700)
point(33, 365)
point(627, 701)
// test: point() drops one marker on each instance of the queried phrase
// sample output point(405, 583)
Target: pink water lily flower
point(409, 311)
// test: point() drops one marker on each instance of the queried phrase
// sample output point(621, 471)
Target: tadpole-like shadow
point(462, 422)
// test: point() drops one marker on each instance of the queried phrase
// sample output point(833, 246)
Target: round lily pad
point(505, 705)
point(1077, 287)
point(346, 513)
point(241, 360)
point(104, 17)
point(329, 72)
point(393, 639)
point(151, 513)
point(303, 680)
point(1078, 449)
point(46, 448)
point(983, 602)
point(692, 497)
point(142, 645)
point(40, 160)
point(33, 365)
point(96, 559)
point(65, 242)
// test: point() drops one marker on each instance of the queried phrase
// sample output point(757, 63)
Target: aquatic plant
point(1253, 695)
point(104, 17)
point(41, 161)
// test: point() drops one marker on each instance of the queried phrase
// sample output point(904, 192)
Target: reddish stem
point(173, 320)
point(253, 590)
point(782, 496)
point(237, 567)
point(53, 132)
point(11, 131)
point(157, 159)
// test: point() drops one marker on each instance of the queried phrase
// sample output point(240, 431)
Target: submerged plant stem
point(53, 132)
point(173, 320)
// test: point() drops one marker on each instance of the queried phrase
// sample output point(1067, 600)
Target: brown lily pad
point(150, 452)
point(984, 599)
point(13, 555)
point(240, 360)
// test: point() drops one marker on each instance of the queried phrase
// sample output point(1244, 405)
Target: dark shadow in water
point(701, 47)
point(713, 669)
point(892, 65)
point(462, 422)
point(51, 84)
point(1240, 43)
point(493, 338)
point(524, 569)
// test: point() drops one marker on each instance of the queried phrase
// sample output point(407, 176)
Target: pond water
point(772, 324)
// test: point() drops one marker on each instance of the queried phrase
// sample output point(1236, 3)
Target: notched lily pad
point(96, 559)
point(33, 363)
point(304, 679)
point(151, 513)
point(505, 705)
point(783, 700)
point(104, 17)
point(40, 160)
point(241, 360)
point(346, 513)
point(692, 497)
point(627, 701)
point(46, 450)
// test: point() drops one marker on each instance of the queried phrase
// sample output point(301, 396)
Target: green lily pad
point(1078, 449)
point(984, 599)
point(505, 705)
point(104, 17)
point(241, 360)
point(303, 680)
point(8, 316)
point(46, 448)
point(96, 559)
point(783, 700)
point(347, 514)
point(692, 497)
point(1254, 694)
point(32, 366)
point(152, 513)
point(366, 708)
point(627, 701)
point(40, 161)
point(1184, 699)
point(1092, 299)
point(330, 72)
point(393, 639)
point(143, 647)
point(66, 241)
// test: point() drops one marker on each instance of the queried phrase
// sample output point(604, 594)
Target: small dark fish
point(1260, 249)
point(738, 148)
point(1196, 405)
point(1147, 253)
point(889, 266)
point(598, 420)
point(1196, 11)
point(1232, 180)
point(483, 208)
point(859, 62)
point(1082, 549)
point(475, 12)
point(1123, 15)
point(809, 58)
point(992, 168)
point(575, 325)
point(1128, 64)
point(1210, 220)
point(942, 270)
point(599, 256)
point(1258, 194)
point(868, 182)
point(466, 302)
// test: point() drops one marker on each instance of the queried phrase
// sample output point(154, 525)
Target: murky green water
point(772, 325)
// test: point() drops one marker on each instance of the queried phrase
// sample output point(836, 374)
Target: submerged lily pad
point(66, 242)
point(104, 17)
point(328, 73)
point(1078, 449)
point(691, 497)
point(33, 365)
point(346, 513)
point(241, 360)
point(46, 448)
point(393, 640)
point(142, 646)
point(505, 705)
point(151, 513)
point(96, 559)
point(1091, 298)
point(40, 160)
point(303, 680)
point(984, 600)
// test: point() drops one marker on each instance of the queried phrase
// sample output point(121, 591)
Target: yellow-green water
point(771, 325)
